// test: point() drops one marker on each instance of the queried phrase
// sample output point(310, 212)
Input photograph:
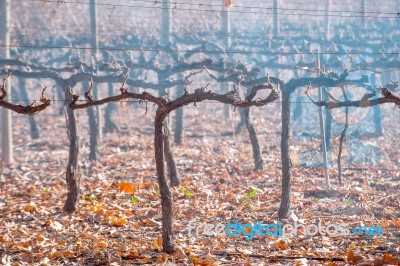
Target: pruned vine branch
point(366, 101)
point(197, 96)
point(24, 109)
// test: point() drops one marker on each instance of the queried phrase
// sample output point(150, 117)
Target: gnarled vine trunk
point(72, 175)
point(169, 157)
point(166, 196)
point(258, 161)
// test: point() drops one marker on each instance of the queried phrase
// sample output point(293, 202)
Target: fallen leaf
point(352, 258)
point(385, 223)
point(102, 244)
point(389, 259)
point(196, 260)
point(30, 208)
point(133, 255)
point(127, 188)
point(56, 226)
point(117, 221)
point(281, 244)
point(68, 254)
point(396, 223)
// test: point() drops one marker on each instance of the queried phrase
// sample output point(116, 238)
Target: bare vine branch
point(27, 109)
point(365, 101)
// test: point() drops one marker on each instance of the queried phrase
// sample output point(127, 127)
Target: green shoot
point(250, 195)
point(134, 199)
point(348, 203)
point(186, 192)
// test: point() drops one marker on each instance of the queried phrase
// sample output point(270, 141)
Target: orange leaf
point(39, 238)
point(117, 221)
point(196, 260)
point(385, 223)
point(230, 196)
point(108, 213)
point(353, 259)
point(53, 255)
point(158, 243)
point(396, 223)
point(102, 244)
point(281, 245)
point(68, 254)
point(350, 257)
point(49, 222)
point(134, 255)
point(147, 184)
point(78, 244)
point(389, 259)
point(206, 262)
point(125, 187)
point(186, 182)
point(97, 208)
point(30, 208)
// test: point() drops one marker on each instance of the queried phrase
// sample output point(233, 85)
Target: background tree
point(6, 121)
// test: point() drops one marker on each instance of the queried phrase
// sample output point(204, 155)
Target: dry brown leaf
point(102, 244)
point(108, 213)
point(117, 221)
point(39, 238)
point(389, 259)
point(352, 258)
point(352, 245)
point(206, 262)
point(281, 244)
point(147, 184)
point(61, 254)
point(230, 196)
point(54, 254)
point(68, 254)
point(196, 261)
point(97, 208)
point(134, 255)
point(78, 244)
point(152, 222)
point(49, 222)
point(30, 208)
point(158, 243)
